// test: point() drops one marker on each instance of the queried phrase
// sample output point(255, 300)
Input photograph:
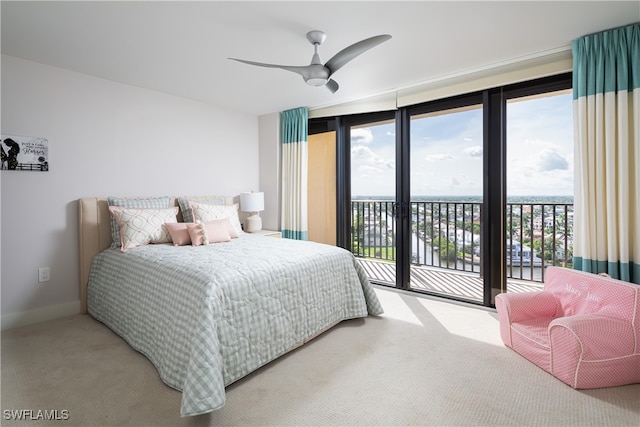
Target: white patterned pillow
point(139, 227)
point(204, 213)
point(187, 214)
point(163, 202)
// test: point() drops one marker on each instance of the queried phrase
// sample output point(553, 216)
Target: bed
point(208, 315)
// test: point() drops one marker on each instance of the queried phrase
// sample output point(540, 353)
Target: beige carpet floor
point(424, 362)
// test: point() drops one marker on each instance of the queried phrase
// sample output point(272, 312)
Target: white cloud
point(366, 170)
point(473, 151)
point(361, 155)
point(361, 136)
point(360, 152)
point(551, 161)
point(438, 157)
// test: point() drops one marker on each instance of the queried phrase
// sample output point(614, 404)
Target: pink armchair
point(582, 328)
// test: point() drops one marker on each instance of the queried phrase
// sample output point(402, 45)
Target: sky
point(446, 152)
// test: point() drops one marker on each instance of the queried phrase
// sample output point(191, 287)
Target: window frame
point(494, 103)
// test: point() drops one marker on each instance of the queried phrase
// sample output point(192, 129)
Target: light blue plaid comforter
point(206, 316)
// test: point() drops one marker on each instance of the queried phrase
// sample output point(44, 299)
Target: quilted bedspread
point(206, 316)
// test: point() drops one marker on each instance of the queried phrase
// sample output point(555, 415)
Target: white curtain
point(294, 131)
point(606, 93)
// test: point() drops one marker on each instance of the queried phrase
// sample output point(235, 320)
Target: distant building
point(522, 255)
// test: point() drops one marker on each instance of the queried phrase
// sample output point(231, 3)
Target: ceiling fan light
point(316, 81)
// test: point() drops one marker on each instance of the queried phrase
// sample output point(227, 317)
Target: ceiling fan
point(318, 74)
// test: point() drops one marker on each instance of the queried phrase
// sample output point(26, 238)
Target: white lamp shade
point(251, 202)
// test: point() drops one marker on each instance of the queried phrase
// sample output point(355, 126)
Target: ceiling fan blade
point(303, 71)
point(348, 53)
point(332, 85)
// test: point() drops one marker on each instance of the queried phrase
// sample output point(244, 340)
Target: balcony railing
point(446, 234)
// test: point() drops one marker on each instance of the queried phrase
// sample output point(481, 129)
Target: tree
point(447, 250)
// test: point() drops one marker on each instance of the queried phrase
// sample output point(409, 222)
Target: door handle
point(400, 210)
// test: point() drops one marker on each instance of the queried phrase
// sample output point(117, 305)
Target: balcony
point(446, 245)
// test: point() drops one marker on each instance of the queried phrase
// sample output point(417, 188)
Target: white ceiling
point(181, 47)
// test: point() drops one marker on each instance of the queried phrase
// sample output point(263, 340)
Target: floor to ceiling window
point(373, 195)
point(373, 234)
point(445, 151)
point(460, 197)
point(539, 171)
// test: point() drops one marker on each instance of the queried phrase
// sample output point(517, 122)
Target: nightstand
point(268, 233)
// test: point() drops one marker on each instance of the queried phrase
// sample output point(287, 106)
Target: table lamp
point(254, 203)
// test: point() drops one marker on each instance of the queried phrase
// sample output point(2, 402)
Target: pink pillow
point(219, 230)
point(230, 228)
point(179, 233)
point(197, 234)
point(209, 232)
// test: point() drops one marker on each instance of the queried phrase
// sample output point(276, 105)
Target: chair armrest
point(516, 307)
point(599, 336)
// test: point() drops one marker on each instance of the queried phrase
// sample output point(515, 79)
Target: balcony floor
point(451, 283)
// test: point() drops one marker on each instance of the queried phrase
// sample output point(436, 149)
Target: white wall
point(105, 139)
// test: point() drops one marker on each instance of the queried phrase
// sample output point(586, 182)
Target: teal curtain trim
point(295, 235)
point(629, 272)
point(607, 62)
point(295, 125)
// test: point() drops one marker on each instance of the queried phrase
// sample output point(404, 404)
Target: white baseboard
point(16, 320)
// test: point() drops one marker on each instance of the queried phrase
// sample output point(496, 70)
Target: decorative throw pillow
point(179, 233)
point(218, 230)
point(209, 232)
point(136, 203)
point(205, 213)
point(139, 227)
point(187, 213)
point(198, 234)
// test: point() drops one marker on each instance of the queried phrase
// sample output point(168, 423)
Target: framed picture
point(25, 153)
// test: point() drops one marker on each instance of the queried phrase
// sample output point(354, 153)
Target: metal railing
point(446, 234)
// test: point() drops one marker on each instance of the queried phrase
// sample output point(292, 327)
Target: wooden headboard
point(95, 234)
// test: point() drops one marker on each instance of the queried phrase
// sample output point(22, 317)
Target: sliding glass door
point(373, 197)
point(428, 195)
point(416, 185)
point(446, 185)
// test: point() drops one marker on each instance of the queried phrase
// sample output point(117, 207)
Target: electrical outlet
point(43, 274)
